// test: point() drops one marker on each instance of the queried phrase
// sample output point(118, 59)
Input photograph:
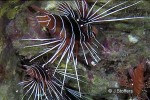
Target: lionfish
point(40, 84)
point(72, 32)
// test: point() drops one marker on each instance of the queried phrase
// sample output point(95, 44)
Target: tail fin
point(36, 22)
point(34, 8)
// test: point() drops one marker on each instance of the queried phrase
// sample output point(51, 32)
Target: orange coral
point(138, 79)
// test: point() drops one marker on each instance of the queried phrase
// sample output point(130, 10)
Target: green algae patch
point(12, 8)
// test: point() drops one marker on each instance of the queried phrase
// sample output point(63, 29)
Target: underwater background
point(125, 59)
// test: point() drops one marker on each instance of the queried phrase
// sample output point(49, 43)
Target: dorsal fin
point(82, 7)
point(66, 9)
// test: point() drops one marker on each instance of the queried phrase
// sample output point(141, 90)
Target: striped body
point(68, 29)
point(66, 26)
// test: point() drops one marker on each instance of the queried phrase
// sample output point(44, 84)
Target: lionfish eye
point(77, 20)
point(81, 25)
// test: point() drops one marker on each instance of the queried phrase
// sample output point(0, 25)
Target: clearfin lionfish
point(72, 31)
point(40, 84)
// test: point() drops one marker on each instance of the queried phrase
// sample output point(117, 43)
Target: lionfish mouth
point(72, 32)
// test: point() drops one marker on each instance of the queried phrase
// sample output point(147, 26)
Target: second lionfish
point(73, 31)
